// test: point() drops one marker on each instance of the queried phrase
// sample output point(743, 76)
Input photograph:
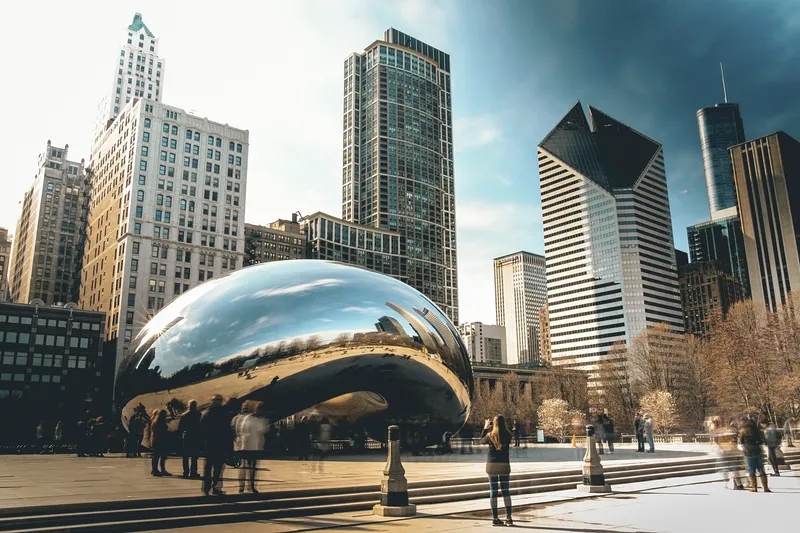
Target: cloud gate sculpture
point(349, 343)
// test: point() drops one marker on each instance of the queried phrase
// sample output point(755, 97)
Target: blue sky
point(517, 66)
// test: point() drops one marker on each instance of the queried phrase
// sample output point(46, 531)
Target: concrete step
point(137, 515)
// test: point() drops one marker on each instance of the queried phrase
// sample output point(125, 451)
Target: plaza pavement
point(679, 505)
point(27, 480)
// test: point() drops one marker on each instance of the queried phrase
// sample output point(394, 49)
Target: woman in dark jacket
point(158, 443)
point(497, 436)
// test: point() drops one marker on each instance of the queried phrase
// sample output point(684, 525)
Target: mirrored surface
point(350, 343)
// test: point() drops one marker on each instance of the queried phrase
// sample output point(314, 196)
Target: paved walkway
point(685, 505)
point(47, 479)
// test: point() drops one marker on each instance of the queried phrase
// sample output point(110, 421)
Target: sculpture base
point(395, 510)
point(594, 488)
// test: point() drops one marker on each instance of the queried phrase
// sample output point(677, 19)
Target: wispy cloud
point(357, 309)
point(297, 289)
point(476, 132)
point(491, 216)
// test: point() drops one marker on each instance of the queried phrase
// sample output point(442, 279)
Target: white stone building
point(139, 73)
point(485, 343)
point(167, 213)
point(520, 292)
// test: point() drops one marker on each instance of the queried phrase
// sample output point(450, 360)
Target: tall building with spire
point(138, 73)
point(397, 161)
point(611, 269)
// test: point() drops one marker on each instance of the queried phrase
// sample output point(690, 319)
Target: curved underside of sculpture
point(347, 343)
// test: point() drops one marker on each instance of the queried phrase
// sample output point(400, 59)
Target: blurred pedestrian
point(40, 437)
point(250, 430)
point(787, 432)
point(189, 431)
point(517, 430)
point(752, 439)
point(772, 438)
point(608, 430)
point(638, 428)
point(99, 437)
point(726, 439)
point(159, 435)
point(215, 428)
point(302, 436)
point(58, 436)
point(648, 432)
point(81, 438)
point(599, 432)
point(498, 468)
point(323, 445)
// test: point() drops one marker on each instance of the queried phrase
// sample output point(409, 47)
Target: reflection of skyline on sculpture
point(318, 329)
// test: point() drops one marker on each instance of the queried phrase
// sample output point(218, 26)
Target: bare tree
point(615, 391)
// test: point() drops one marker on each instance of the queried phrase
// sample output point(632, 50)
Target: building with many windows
point(138, 73)
point(48, 244)
point(167, 213)
point(334, 239)
point(281, 240)
point(545, 355)
point(52, 368)
point(611, 269)
point(720, 128)
point(397, 161)
point(767, 175)
point(485, 343)
point(520, 291)
point(721, 240)
point(5, 262)
point(706, 290)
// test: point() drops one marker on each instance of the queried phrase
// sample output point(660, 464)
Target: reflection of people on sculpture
point(497, 436)
point(215, 428)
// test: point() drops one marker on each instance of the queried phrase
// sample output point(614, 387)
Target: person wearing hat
point(215, 428)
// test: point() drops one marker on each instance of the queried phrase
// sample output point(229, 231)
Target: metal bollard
point(594, 480)
point(394, 486)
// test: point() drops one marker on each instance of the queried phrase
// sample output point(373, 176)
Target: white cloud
point(475, 132)
point(296, 289)
point(357, 309)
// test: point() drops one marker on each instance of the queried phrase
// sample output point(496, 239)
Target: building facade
point(520, 291)
point(611, 268)
point(333, 239)
point(545, 354)
point(485, 343)
point(139, 73)
point(5, 262)
point(721, 240)
point(397, 158)
point(167, 213)
point(51, 368)
point(49, 238)
point(706, 290)
point(281, 240)
point(720, 128)
point(767, 175)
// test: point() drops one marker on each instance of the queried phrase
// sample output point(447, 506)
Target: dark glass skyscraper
point(722, 241)
point(720, 128)
point(397, 159)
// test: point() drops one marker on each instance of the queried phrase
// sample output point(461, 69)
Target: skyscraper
point(5, 263)
point(767, 175)
point(520, 291)
point(397, 162)
point(720, 128)
point(167, 213)
point(722, 241)
point(706, 289)
point(48, 242)
point(485, 343)
point(608, 237)
point(139, 73)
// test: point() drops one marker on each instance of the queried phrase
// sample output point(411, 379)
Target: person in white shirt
point(250, 428)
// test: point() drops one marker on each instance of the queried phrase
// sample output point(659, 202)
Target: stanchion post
point(394, 486)
point(594, 480)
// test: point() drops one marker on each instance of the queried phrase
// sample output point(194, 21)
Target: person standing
point(787, 432)
point(608, 429)
point(81, 438)
point(517, 429)
point(40, 437)
point(648, 432)
point(752, 439)
point(323, 444)
point(188, 429)
point(599, 432)
point(498, 467)
point(250, 429)
point(726, 439)
point(215, 428)
point(303, 439)
point(638, 428)
point(772, 438)
point(158, 444)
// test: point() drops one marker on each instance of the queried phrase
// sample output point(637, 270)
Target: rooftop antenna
point(724, 87)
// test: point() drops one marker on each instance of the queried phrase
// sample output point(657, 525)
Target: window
point(154, 268)
point(146, 122)
point(132, 282)
point(131, 300)
point(152, 285)
point(239, 148)
point(168, 201)
point(137, 228)
point(187, 273)
point(144, 150)
point(146, 136)
point(238, 161)
point(134, 265)
point(142, 179)
point(188, 134)
point(135, 248)
point(218, 142)
point(139, 211)
point(159, 199)
point(143, 165)
point(158, 215)
point(162, 169)
point(183, 205)
point(165, 128)
point(174, 130)
point(211, 140)
point(140, 196)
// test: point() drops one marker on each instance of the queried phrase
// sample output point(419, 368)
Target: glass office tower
point(720, 128)
point(721, 240)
